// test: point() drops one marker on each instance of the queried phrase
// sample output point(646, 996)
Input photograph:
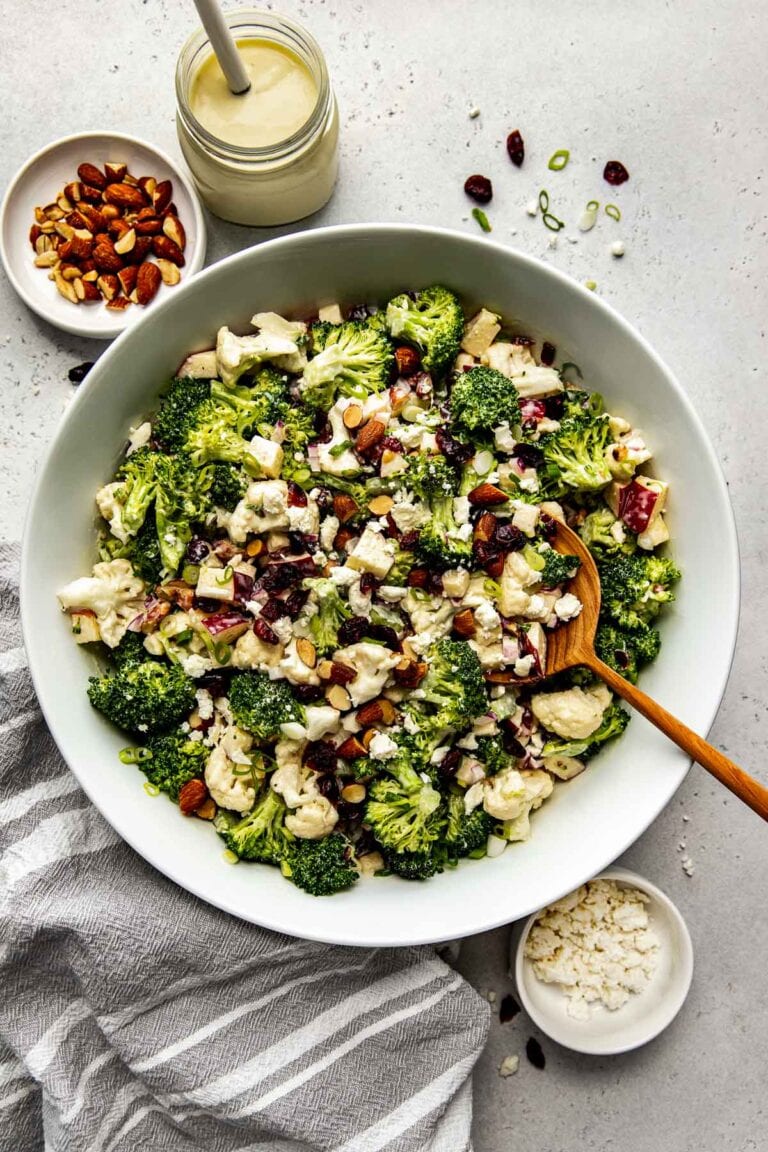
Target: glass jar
point(267, 185)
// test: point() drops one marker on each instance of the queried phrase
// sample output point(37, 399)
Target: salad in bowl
point(326, 579)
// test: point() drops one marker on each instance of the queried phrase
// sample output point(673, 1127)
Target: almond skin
point(161, 197)
point(341, 673)
point(344, 507)
point(192, 796)
point(351, 749)
point(127, 277)
point(485, 528)
point(486, 496)
point(148, 280)
point(370, 435)
point(167, 249)
point(92, 176)
point(464, 623)
point(105, 258)
point(410, 673)
point(125, 195)
point(140, 250)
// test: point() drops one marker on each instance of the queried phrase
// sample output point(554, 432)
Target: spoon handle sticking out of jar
point(224, 46)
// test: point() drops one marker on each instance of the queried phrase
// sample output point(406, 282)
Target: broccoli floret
point(633, 588)
point(143, 698)
point(627, 652)
point(143, 551)
point(614, 721)
point(182, 499)
point(490, 749)
point(416, 865)
point(483, 398)
point(434, 322)
point(212, 435)
point(466, 834)
point(403, 563)
point(331, 613)
point(228, 486)
point(350, 359)
point(579, 402)
point(261, 835)
point(169, 427)
point(321, 867)
point(261, 705)
point(130, 651)
point(173, 759)
point(558, 567)
point(298, 425)
point(600, 534)
point(454, 683)
point(138, 481)
point(403, 811)
point(574, 456)
point(435, 482)
point(253, 410)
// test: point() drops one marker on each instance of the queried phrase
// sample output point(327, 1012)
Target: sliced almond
point(70, 272)
point(66, 231)
point(53, 212)
point(174, 230)
point(353, 416)
point(42, 244)
point(306, 651)
point(168, 270)
point(79, 288)
point(109, 286)
point(338, 698)
point(353, 793)
point(207, 809)
point(324, 669)
point(65, 288)
point(126, 242)
point(47, 259)
point(381, 505)
point(367, 736)
point(40, 216)
point(47, 227)
point(256, 547)
point(91, 277)
point(65, 203)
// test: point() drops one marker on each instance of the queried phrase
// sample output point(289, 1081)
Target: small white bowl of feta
point(606, 968)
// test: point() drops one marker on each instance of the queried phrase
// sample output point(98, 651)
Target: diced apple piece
point(330, 314)
point(392, 463)
point(373, 553)
point(532, 641)
point(199, 366)
point(657, 533)
point(85, 626)
point(225, 627)
point(564, 767)
point(268, 455)
point(216, 584)
point(480, 332)
point(637, 503)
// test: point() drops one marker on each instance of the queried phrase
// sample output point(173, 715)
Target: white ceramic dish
point(644, 1016)
point(45, 174)
point(590, 820)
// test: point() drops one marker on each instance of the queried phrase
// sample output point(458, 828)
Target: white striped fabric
point(135, 1017)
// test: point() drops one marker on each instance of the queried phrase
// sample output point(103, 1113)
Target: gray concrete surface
point(676, 91)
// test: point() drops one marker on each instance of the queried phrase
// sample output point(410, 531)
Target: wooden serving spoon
point(575, 644)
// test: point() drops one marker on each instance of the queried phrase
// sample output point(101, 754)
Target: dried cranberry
point(409, 540)
point(448, 766)
point(320, 756)
point(198, 550)
point(454, 451)
point(295, 602)
point(324, 433)
point(434, 583)
point(307, 693)
point(214, 682)
point(510, 741)
point(516, 148)
point(273, 610)
point(350, 813)
point(264, 632)
point(278, 577)
point(485, 552)
point(328, 786)
point(547, 526)
point(385, 634)
point(422, 385)
point(324, 499)
point(77, 374)
point(392, 443)
point(508, 537)
point(353, 630)
point(553, 407)
point(479, 188)
point(621, 657)
point(297, 497)
point(615, 172)
point(508, 1009)
point(369, 583)
point(392, 530)
point(548, 353)
point(297, 543)
point(373, 454)
point(529, 455)
point(534, 1053)
point(522, 339)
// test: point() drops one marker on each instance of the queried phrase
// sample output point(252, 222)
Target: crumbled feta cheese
point(382, 747)
point(509, 1066)
point(617, 248)
point(305, 518)
point(504, 439)
point(328, 530)
point(204, 704)
point(461, 509)
point(409, 515)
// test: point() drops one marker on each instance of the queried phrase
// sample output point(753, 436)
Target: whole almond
point(161, 197)
point(91, 195)
point(148, 281)
point(124, 195)
point(174, 230)
point(92, 176)
point(371, 713)
point(148, 226)
point(140, 251)
point(369, 436)
point(105, 258)
point(486, 496)
point(115, 172)
point(464, 623)
point(192, 795)
point(171, 276)
point(167, 249)
point(127, 277)
point(344, 507)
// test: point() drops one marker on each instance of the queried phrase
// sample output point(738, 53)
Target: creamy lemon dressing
point(281, 99)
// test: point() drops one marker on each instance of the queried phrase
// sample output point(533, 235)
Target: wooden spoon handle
point(739, 782)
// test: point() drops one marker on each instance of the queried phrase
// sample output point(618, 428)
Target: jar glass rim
point(268, 26)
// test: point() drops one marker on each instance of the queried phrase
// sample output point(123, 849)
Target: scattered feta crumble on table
point(509, 1066)
point(597, 944)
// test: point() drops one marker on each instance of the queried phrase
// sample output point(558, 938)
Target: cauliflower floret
point(111, 508)
point(268, 455)
point(312, 820)
point(235, 793)
point(294, 668)
point(516, 362)
point(270, 324)
point(517, 574)
point(372, 663)
point(305, 518)
point(330, 458)
point(538, 786)
point(574, 714)
point(290, 779)
point(250, 652)
point(322, 720)
point(113, 592)
point(455, 583)
point(431, 618)
point(238, 354)
point(263, 509)
point(504, 794)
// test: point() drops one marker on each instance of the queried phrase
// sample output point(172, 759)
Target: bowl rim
point(121, 325)
point(686, 961)
point(270, 918)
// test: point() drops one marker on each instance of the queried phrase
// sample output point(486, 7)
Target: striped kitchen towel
point(133, 1016)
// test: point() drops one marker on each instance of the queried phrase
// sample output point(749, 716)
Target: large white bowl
point(589, 821)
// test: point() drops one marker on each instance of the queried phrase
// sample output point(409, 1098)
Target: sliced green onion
point(544, 200)
point(612, 211)
point(482, 219)
point(226, 576)
point(301, 475)
point(230, 857)
point(222, 652)
point(552, 222)
point(593, 205)
point(151, 789)
point(340, 449)
point(591, 284)
point(134, 755)
point(190, 573)
point(559, 159)
point(242, 770)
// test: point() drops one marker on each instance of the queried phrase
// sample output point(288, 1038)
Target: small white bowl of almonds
point(96, 227)
point(606, 968)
